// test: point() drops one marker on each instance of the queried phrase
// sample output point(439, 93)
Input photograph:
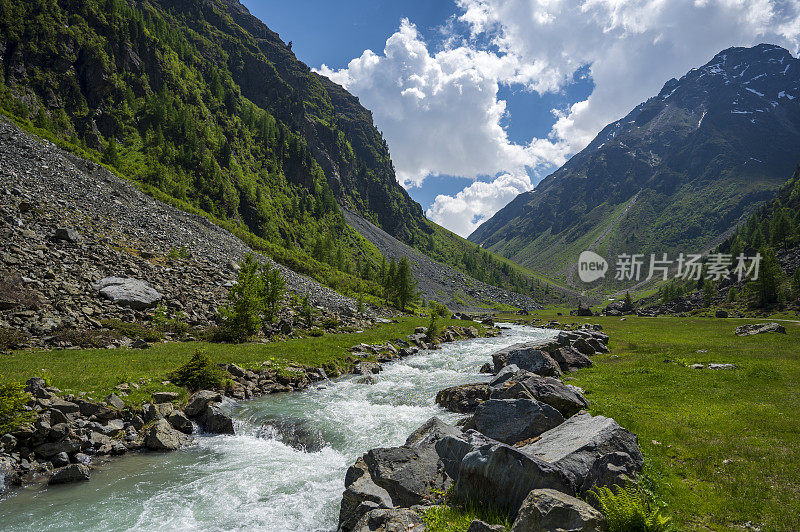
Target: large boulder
point(453, 449)
point(531, 356)
point(429, 433)
point(128, 292)
point(394, 520)
point(463, 399)
point(408, 474)
point(570, 359)
point(162, 437)
point(180, 422)
point(215, 421)
point(361, 495)
point(548, 390)
point(69, 474)
point(760, 328)
point(576, 445)
point(199, 401)
point(514, 420)
point(545, 510)
point(502, 476)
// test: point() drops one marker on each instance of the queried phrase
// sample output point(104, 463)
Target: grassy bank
point(721, 445)
point(97, 371)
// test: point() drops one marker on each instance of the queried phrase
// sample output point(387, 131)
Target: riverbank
point(73, 426)
point(721, 445)
point(284, 467)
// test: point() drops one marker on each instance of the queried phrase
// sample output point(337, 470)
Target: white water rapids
point(253, 480)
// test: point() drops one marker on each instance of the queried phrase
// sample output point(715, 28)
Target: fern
point(627, 510)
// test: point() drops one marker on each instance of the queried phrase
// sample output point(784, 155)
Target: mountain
point(203, 106)
point(676, 174)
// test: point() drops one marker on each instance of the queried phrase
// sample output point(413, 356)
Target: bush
point(627, 510)
point(13, 399)
point(438, 309)
point(10, 338)
point(199, 373)
point(433, 328)
point(133, 330)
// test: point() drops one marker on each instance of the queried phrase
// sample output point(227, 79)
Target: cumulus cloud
point(441, 114)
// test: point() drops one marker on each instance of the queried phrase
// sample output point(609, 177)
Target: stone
point(487, 368)
point(407, 474)
point(570, 359)
point(71, 473)
point(366, 379)
point(452, 449)
point(216, 421)
point(8, 442)
point(60, 460)
point(575, 446)
point(514, 420)
point(114, 401)
point(390, 520)
point(127, 291)
point(180, 422)
point(614, 468)
point(721, 314)
point(199, 401)
point(164, 397)
point(463, 399)
point(548, 390)
point(502, 476)
point(722, 366)
point(67, 234)
point(545, 510)
point(150, 413)
point(582, 346)
point(162, 437)
point(431, 432)
point(140, 344)
point(48, 450)
point(364, 367)
point(529, 356)
point(504, 374)
point(760, 328)
point(65, 407)
point(481, 526)
point(582, 311)
point(361, 495)
point(236, 371)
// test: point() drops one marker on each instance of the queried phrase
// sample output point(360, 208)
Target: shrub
point(439, 309)
point(199, 373)
point(316, 332)
point(13, 399)
point(627, 510)
point(10, 338)
point(433, 328)
point(133, 330)
point(255, 295)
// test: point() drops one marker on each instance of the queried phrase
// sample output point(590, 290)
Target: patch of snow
point(701, 119)
point(738, 112)
point(785, 69)
point(754, 91)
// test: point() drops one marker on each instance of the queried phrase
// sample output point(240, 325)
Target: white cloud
point(441, 114)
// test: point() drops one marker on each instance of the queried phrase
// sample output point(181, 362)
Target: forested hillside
point(204, 106)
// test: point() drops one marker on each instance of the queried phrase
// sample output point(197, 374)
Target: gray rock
point(67, 234)
point(162, 437)
point(481, 526)
point(180, 422)
point(463, 399)
point(60, 460)
point(529, 356)
point(216, 421)
point(8, 442)
point(610, 469)
point(407, 474)
point(71, 473)
point(514, 420)
point(236, 371)
point(503, 476)
point(453, 449)
point(394, 520)
point(505, 373)
point(65, 407)
point(760, 328)
point(128, 292)
point(431, 432)
point(114, 401)
point(579, 442)
point(150, 413)
point(548, 390)
point(198, 402)
point(48, 450)
point(583, 346)
point(361, 495)
point(363, 367)
point(545, 510)
point(164, 397)
point(570, 359)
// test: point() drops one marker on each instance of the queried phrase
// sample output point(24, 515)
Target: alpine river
point(263, 478)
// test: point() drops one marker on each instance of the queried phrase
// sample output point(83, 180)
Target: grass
point(449, 518)
point(721, 446)
point(97, 371)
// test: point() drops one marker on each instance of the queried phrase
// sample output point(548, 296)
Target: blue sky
point(481, 99)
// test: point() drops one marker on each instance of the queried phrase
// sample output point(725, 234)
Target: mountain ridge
point(702, 154)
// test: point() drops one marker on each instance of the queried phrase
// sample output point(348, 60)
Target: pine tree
point(766, 286)
point(389, 282)
point(406, 284)
point(781, 227)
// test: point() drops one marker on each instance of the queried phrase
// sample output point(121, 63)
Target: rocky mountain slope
point(437, 281)
point(67, 223)
point(206, 107)
point(677, 174)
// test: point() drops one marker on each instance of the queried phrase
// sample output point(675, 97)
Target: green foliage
point(179, 253)
point(627, 510)
point(708, 293)
point(438, 309)
point(457, 517)
point(433, 328)
point(306, 311)
point(198, 373)
point(767, 287)
point(670, 291)
point(255, 295)
point(795, 286)
point(13, 399)
point(628, 299)
point(10, 338)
